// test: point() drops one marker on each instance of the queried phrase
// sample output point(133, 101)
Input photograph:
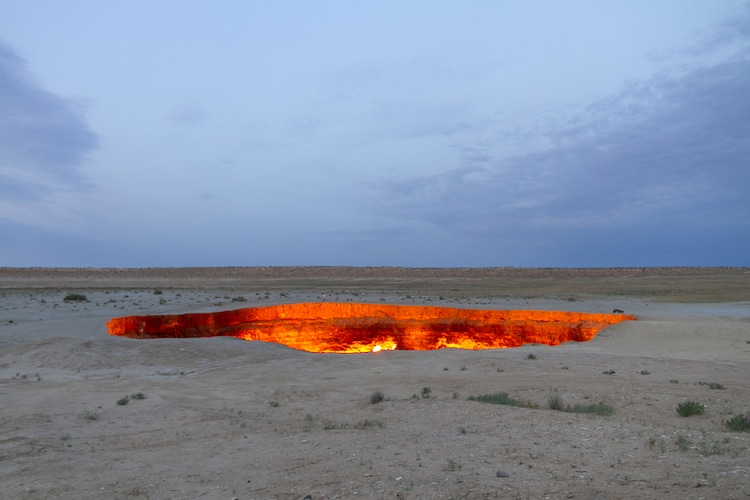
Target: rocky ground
point(223, 418)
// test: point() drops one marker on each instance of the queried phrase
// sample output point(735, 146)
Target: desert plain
point(86, 415)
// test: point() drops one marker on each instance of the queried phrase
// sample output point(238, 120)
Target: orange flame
point(357, 328)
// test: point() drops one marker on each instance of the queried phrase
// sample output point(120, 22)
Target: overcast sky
point(407, 133)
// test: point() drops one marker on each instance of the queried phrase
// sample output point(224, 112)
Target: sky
point(477, 133)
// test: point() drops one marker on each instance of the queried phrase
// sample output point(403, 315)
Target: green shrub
point(75, 297)
point(683, 443)
point(426, 391)
point(738, 423)
point(501, 399)
point(713, 385)
point(123, 401)
point(138, 395)
point(596, 409)
point(688, 408)
point(453, 465)
point(91, 415)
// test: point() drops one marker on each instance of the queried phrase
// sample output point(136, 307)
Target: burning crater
point(355, 328)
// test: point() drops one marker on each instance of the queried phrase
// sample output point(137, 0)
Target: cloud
point(44, 138)
point(732, 33)
point(665, 151)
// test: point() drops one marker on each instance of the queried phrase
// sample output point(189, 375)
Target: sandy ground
point(224, 418)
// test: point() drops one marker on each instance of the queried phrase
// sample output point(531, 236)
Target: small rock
point(501, 473)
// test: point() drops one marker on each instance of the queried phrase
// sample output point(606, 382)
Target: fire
point(390, 346)
point(363, 328)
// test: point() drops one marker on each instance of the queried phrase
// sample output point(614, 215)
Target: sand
point(224, 418)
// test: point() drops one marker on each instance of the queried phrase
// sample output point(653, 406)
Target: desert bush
point(688, 408)
point(75, 297)
point(376, 397)
point(501, 399)
point(713, 385)
point(365, 424)
point(329, 424)
point(708, 449)
point(138, 395)
point(596, 409)
point(555, 402)
point(123, 401)
point(738, 423)
point(531, 356)
point(683, 443)
point(426, 391)
point(91, 415)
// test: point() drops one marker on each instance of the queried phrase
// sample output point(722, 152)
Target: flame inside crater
point(356, 328)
